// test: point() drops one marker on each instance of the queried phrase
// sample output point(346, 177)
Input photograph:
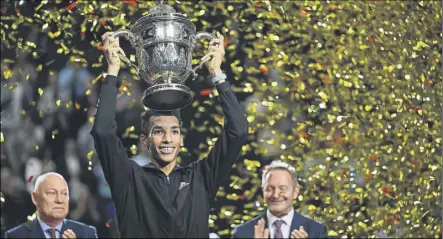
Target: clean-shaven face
point(165, 138)
point(279, 191)
point(52, 198)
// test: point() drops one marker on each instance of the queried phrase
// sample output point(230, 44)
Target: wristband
point(219, 78)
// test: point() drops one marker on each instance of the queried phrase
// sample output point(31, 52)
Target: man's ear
point(181, 141)
point(143, 140)
point(296, 192)
point(34, 198)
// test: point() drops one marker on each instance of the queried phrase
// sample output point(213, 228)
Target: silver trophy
point(164, 41)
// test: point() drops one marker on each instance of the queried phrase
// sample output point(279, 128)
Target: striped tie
point(278, 233)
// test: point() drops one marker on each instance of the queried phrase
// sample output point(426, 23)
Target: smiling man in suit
point(280, 220)
point(51, 197)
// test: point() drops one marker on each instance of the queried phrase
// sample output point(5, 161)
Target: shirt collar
point(151, 165)
point(45, 226)
point(286, 218)
point(141, 160)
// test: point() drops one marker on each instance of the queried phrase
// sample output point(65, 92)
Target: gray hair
point(42, 178)
point(278, 164)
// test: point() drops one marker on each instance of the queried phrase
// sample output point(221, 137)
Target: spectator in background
point(107, 222)
point(128, 108)
point(282, 126)
point(18, 94)
point(75, 89)
point(33, 168)
point(47, 106)
point(142, 158)
point(51, 197)
point(108, 225)
point(17, 203)
point(73, 83)
point(85, 141)
point(82, 204)
point(54, 119)
point(23, 143)
point(16, 98)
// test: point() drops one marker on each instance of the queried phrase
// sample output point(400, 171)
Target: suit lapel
point(266, 220)
point(65, 227)
point(297, 221)
point(35, 230)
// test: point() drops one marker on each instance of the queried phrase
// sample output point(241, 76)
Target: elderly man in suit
point(51, 197)
point(280, 220)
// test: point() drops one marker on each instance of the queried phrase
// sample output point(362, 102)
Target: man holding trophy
point(163, 198)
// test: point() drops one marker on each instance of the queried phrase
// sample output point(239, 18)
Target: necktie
point(278, 233)
point(52, 231)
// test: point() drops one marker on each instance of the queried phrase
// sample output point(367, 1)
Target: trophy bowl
point(164, 41)
point(167, 96)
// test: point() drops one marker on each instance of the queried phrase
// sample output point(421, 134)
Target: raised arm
point(110, 150)
point(226, 150)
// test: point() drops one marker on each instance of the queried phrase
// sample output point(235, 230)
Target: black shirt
point(150, 204)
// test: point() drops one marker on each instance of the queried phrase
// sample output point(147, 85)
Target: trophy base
point(167, 96)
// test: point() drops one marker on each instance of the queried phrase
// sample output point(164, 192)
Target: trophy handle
point(129, 36)
point(200, 35)
point(206, 35)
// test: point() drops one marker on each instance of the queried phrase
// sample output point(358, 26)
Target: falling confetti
point(205, 92)
point(71, 5)
point(90, 154)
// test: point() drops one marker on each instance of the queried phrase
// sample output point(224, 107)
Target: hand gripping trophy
point(164, 41)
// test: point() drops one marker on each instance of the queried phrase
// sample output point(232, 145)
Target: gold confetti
point(332, 84)
point(133, 149)
point(13, 86)
point(90, 154)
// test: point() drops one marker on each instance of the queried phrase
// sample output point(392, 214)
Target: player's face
point(165, 138)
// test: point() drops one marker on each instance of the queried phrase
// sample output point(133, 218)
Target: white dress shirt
point(285, 227)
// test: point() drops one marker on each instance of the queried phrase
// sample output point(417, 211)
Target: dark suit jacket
point(32, 229)
point(312, 227)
